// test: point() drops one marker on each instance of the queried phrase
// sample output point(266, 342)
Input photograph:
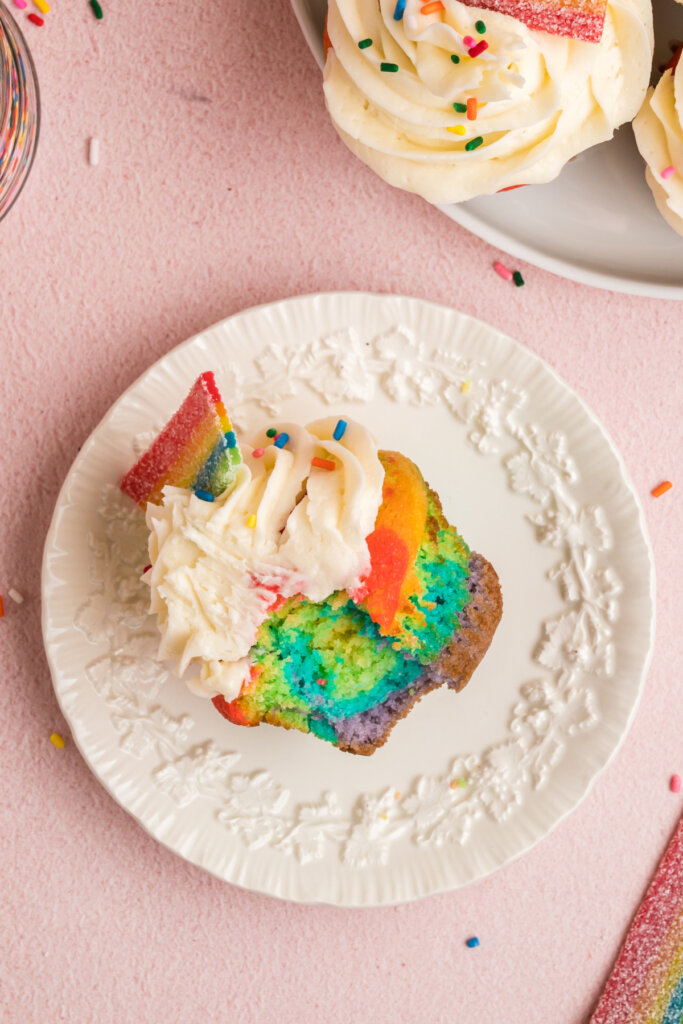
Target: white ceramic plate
point(533, 483)
point(597, 223)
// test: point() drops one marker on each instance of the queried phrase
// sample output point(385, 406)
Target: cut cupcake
point(322, 589)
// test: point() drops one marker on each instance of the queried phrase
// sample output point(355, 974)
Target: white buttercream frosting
point(541, 98)
point(283, 528)
point(659, 134)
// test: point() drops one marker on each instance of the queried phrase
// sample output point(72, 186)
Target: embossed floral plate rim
point(168, 763)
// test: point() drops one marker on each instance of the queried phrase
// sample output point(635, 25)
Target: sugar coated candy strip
point(196, 449)
point(646, 985)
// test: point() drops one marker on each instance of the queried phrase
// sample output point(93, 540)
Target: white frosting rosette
point(659, 134)
point(285, 527)
point(541, 99)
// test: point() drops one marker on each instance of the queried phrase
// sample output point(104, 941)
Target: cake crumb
point(16, 596)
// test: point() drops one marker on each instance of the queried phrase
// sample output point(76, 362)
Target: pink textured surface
point(221, 185)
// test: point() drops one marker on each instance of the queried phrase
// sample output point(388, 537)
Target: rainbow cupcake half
point(348, 668)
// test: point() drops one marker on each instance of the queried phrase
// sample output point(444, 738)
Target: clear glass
point(19, 110)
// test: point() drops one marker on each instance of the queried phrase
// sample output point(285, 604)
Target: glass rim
point(12, 26)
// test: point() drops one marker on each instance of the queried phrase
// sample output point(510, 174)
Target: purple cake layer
point(368, 728)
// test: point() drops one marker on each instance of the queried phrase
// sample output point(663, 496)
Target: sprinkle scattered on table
point(502, 271)
point(96, 9)
point(16, 596)
point(675, 784)
point(661, 489)
point(2, 607)
point(472, 943)
point(36, 19)
point(94, 151)
point(517, 278)
point(57, 740)
point(42, 6)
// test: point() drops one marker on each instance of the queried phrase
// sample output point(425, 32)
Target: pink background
point(222, 185)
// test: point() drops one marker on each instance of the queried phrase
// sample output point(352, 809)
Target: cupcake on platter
point(658, 129)
point(452, 101)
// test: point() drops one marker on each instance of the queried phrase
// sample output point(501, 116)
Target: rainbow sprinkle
point(258, 453)
point(675, 784)
point(57, 740)
point(364, 43)
point(281, 440)
point(482, 45)
point(432, 8)
point(472, 943)
point(2, 607)
point(474, 143)
point(94, 152)
point(472, 108)
point(661, 489)
point(251, 521)
point(457, 129)
point(518, 279)
point(668, 172)
point(388, 66)
point(646, 985)
point(37, 20)
point(502, 271)
point(339, 430)
point(97, 10)
point(323, 463)
point(16, 596)
point(480, 27)
point(399, 9)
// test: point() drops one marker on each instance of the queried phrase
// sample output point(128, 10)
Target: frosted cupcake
point(303, 578)
point(451, 101)
point(659, 134)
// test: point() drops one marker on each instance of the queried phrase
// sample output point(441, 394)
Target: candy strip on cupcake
point(196, 449)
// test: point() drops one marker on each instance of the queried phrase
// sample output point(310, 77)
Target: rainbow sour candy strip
point(197, 449)
point(579, 19)
point(646, 985)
